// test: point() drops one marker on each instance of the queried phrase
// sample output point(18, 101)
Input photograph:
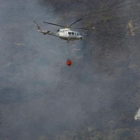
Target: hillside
point(94, 99)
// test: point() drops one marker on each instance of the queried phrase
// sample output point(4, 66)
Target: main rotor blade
point(54, 24)
point(82, 28)
point(75, 22)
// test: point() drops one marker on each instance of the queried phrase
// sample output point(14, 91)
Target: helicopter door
point(69, 33)
point(73, 34)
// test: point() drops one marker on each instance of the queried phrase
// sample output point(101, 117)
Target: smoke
point(27, 73)
point(137, 116)
point(39, 94)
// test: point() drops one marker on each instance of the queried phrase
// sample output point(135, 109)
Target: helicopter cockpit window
point(58, 30)
point(69, 33)
point(72, 33)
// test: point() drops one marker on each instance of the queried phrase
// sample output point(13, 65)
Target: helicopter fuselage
point(68, 34)
point(65, 33)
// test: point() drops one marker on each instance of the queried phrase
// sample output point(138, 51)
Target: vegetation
point(91, 133)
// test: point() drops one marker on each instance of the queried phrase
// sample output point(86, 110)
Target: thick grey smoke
point(39, 94)
point(34, 97)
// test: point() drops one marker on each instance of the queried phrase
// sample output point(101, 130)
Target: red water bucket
point(68, 62)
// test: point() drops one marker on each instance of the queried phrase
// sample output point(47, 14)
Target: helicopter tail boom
point(43, 31)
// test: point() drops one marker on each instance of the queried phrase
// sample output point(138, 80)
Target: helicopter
point(65, 33)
